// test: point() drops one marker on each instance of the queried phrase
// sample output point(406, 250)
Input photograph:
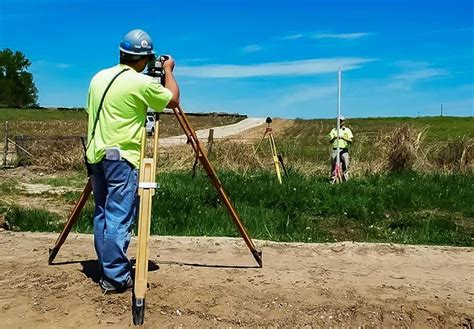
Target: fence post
point(5, 144)
point(210, 142)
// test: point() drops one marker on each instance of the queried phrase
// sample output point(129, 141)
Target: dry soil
point(213, 282)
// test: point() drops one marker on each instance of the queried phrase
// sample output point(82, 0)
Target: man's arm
point(348, 137)
point(170, 83)
point(332, 136)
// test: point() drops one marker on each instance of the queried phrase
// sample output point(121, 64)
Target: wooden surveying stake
point(146, 188)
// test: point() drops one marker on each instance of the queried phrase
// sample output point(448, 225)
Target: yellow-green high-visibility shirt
point(123, 111)
point(343, 133)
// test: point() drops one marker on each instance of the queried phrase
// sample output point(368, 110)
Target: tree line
point(17, 88)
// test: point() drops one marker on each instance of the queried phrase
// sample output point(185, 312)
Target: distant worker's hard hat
point(341, 118)
point(136, 43)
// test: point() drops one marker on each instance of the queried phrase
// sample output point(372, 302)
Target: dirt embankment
point(210, 282)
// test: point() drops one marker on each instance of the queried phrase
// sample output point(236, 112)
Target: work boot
point(109, 288)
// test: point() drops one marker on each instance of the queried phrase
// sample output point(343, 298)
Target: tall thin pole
point(338, 123)
point(441, 109)
point(5, 144)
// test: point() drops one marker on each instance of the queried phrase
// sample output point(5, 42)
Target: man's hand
point(168, 64)
point(170, 82)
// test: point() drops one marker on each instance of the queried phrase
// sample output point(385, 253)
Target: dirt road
point(219, 132)
point(350, 284)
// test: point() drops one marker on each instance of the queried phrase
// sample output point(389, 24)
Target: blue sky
point(262, 58)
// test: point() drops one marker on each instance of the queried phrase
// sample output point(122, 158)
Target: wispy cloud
point(46, 64)
point(420, 74)
point(293, 36)
point(343, 36)
point(194, 60)
point(413, 72)
point(305, 93)
point(320, 35)
point(291, 68)
point(251, 48)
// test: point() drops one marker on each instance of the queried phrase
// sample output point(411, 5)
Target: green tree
point(17, 88)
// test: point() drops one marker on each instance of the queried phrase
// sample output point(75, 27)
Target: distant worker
point(345, 141)
point(117, 106)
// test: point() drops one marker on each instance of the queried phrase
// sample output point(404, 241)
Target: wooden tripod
point(146, 191)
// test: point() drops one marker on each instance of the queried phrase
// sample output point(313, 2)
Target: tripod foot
point(258, 257)
point(52, 254)
point(138, 311)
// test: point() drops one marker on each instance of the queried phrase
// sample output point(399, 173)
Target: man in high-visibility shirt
point(345, 141)
point(117, 105)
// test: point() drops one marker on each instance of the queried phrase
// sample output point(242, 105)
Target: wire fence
point(400, 149)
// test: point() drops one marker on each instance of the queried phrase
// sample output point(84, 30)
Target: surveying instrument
point(146, 190)
point(277, 157)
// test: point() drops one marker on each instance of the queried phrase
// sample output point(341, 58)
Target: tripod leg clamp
point(148, 185)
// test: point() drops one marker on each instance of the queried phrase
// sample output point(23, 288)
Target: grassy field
point(445, 143)
point(408, 207)
point(55, 123)
point(432, 205)
point(306, 139)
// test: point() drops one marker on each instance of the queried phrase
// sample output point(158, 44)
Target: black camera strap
point(100, 107)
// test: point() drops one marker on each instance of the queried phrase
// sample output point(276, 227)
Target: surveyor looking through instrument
point(342, 144)
point(117, 107)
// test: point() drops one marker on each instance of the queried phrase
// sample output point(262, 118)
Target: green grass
point(409, 208)
point(9, 187)
point(76, 180)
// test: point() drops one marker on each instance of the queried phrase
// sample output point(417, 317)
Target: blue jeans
point(114, 183)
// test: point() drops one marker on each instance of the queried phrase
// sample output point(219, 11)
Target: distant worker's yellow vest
point(343, 132)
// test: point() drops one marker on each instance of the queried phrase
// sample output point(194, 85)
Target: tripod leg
point(74, 215)
point(275, 158)
point(183, 121)
point(146, 191)
point(254, 153)
point(141, 265)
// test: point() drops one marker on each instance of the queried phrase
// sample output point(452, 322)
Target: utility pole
point(441, 109)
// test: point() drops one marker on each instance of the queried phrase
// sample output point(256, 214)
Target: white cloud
point(293, 36)
point(305, 93)
point(63, 65)
point(194, 60)
point(406, 79)
point(46, 64)
point(416, 75)
point(290, 68)
point(319, 35)
point(251, 48)
point(344, 36)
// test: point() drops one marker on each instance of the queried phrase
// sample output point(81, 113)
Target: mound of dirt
point(210, 282)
